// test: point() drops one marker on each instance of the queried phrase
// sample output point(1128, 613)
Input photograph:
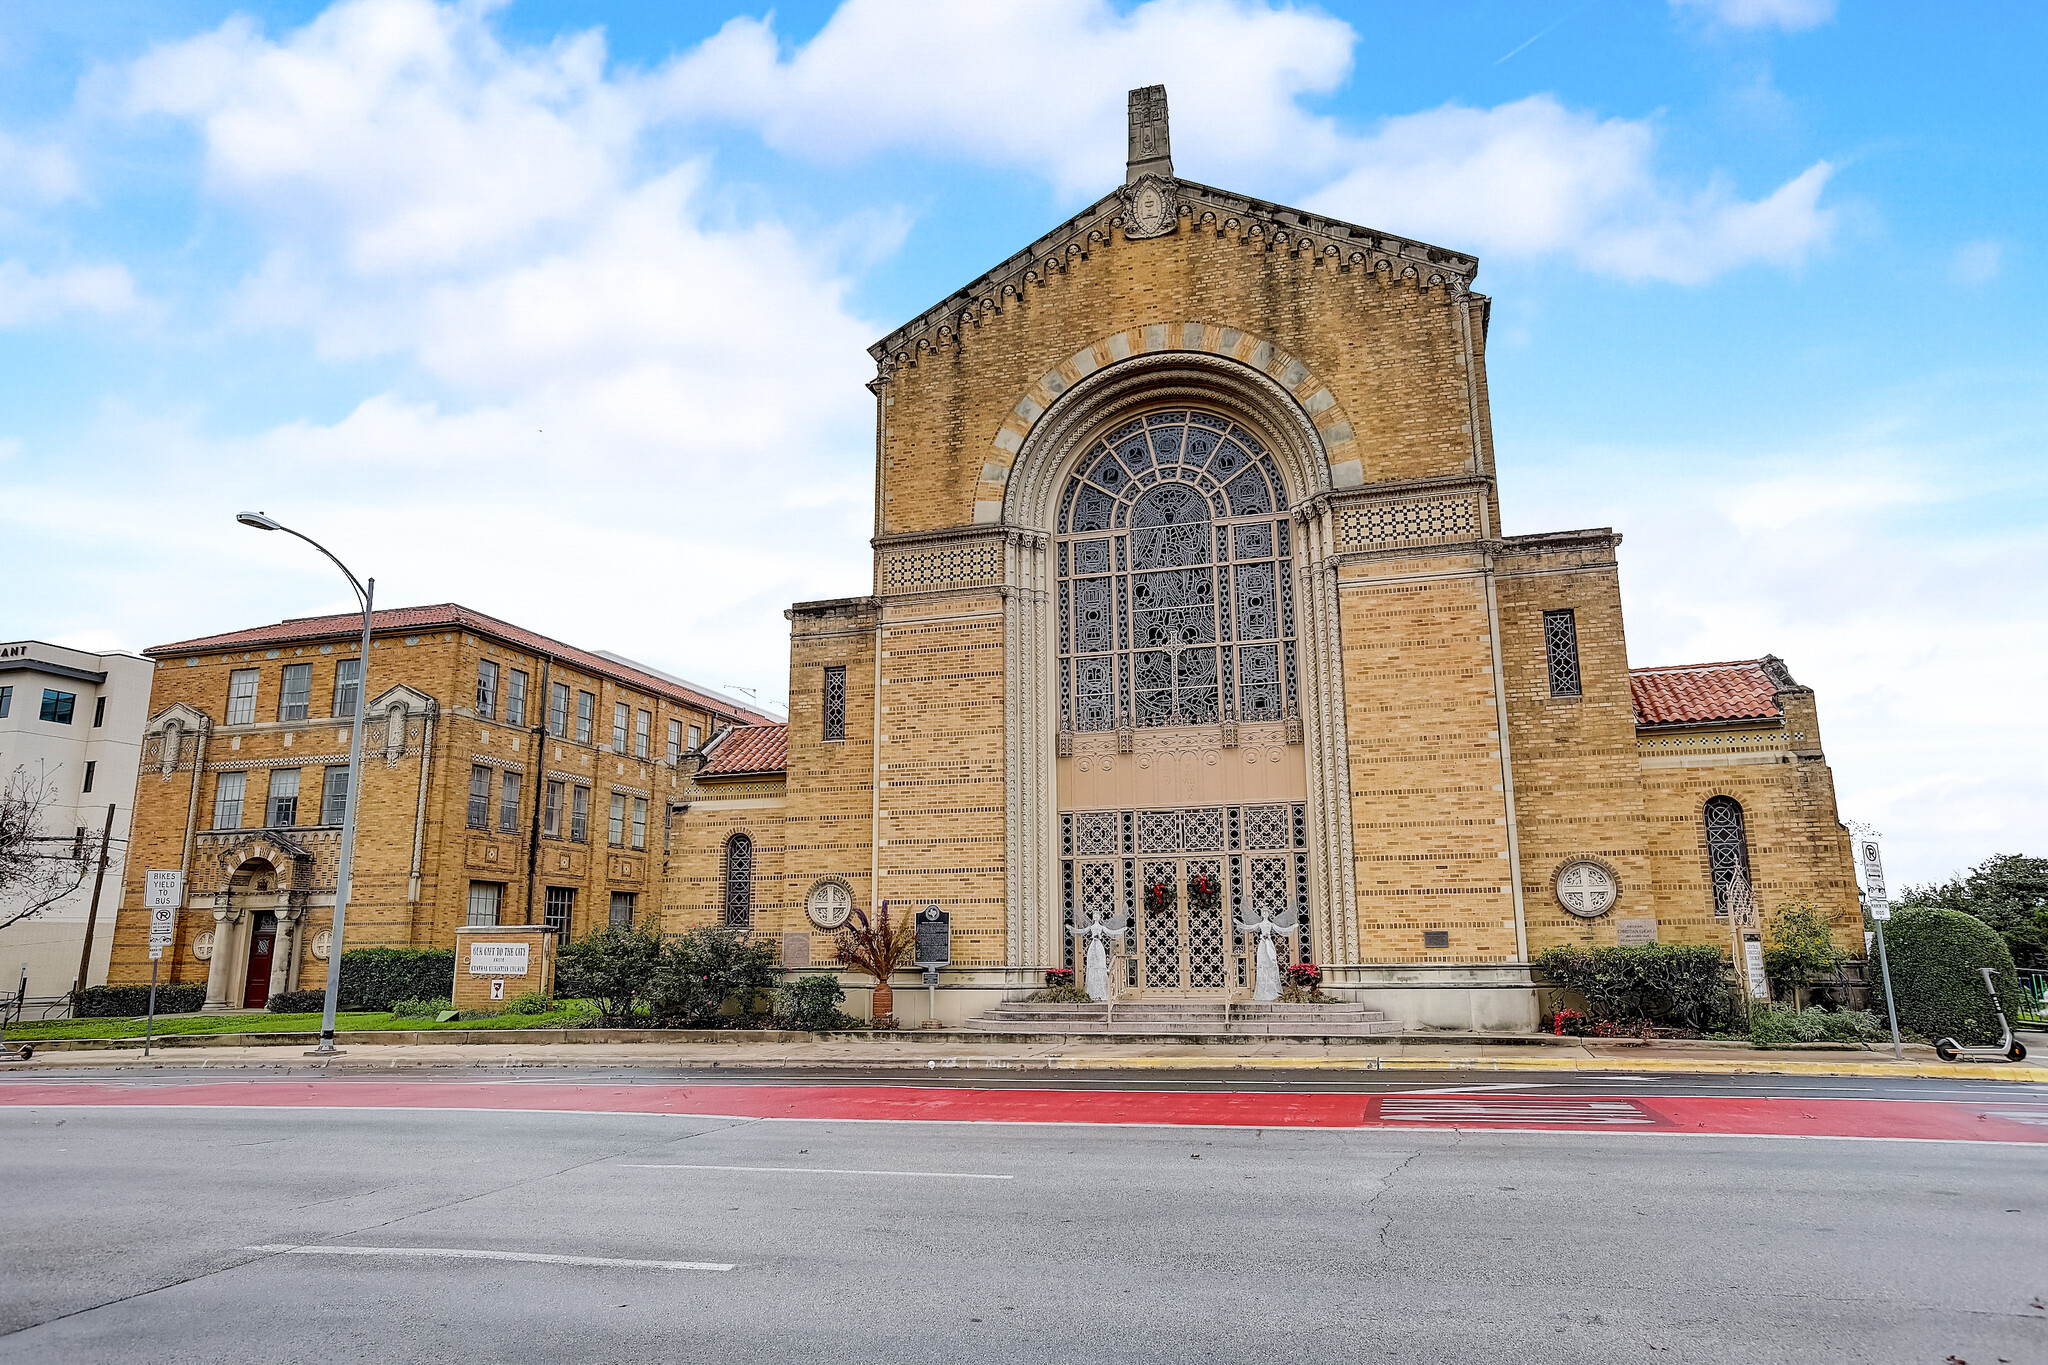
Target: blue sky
point(558, 309)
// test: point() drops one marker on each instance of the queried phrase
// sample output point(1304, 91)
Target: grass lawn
point(351, 1022)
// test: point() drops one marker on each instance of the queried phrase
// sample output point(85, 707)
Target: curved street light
point(366, 593)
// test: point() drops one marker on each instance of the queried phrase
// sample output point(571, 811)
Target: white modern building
point(71, 721)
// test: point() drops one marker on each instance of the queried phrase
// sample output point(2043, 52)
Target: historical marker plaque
point(934, 937)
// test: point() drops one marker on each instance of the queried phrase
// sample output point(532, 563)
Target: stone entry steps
point(1188, 1019)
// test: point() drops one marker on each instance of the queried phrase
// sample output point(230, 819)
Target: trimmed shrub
point(127, 1002)
point(533, 1002)
point(298, 1002)
point(420, 1009)
point(1676, 983)
point(698, 972)
point(371, 978)
point(811, 1003)
point(1935, 956)
point(613, 968)
point(1774, 1025)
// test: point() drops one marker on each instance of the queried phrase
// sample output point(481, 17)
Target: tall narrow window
point(91, 767)
point(622, 909)
point(558, 709)
point(57, 706)
point(486, 690)
point(675, 741)
point(835, 702)
point(579, 814)
point(484, 900)
point(618, 825)
point(284, 798)
point(619, 713)
point(586, 715)
point(334, 796)
point(508, 802)
point(6, 701)
point(295, 698)
point(479, 796)
point(551, 812)
point(99, 715)
point(641, 724)
point(1561, 652)
point(1727, 851)
point(515, 698)
point(227, 800)
point(639, 822)
point(242, 697)
point(739, 882)
point(561, 911)
point(696, 737)
point(348, 685)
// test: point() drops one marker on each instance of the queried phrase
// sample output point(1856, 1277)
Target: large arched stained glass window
point(1727, 850)
point(739, 882)
point(1176, 588)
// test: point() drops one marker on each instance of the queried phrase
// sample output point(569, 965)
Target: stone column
point(283, 951)
point(217, 966)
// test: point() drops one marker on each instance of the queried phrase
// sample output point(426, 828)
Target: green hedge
point(1935, 956)
point(1672, 983)
point(127, 1002)
point(298, 1002)
point(372, 978)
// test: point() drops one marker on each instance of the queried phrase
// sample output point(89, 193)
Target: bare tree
point(36, 869)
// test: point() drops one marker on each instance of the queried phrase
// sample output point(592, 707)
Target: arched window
point(1727, 849)
point(739, 882)
point(1176, 587)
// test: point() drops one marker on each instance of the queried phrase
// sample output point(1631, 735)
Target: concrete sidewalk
point(825, 1054)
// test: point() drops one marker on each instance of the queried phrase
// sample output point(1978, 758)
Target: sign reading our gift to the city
point(499, 959)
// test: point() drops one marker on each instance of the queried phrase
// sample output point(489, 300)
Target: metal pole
point(1891, 1006)
point(149, 1028)
point(350, 803)
point(92, 912)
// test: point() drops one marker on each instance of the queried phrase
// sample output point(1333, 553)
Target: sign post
point(1878, 902)
point(934, 950)
point(163, 891)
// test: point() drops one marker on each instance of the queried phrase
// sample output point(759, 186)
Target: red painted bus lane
point(1989, 1120)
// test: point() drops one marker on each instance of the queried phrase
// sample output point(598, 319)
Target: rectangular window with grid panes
point(334, 796)
point(227, 800)
point(619, 714)
point(586, 716)
point(558, 709)
point(484, 900)
point(639, 822)
point(618, 825)
point(551, 812)
point(835, 702)
point(561, 911)
point(284, 798)
point(579, 814)
point(515, 697)
point(675, 741)
point(486, 690)
point(479, 796)
point(622, 909)
point(348, 685)
point(295, 698)
point(642, 723)
point(242, 697)
point(508, 802)
point(1561, 652)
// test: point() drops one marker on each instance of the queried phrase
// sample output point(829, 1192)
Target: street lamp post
point(367, 593)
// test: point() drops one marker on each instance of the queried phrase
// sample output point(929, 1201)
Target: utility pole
point(92, 913)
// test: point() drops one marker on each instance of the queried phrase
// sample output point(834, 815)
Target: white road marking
point(1509, 1109)
point(474, 1254)
point(811, 1170)
point(1479, 1089)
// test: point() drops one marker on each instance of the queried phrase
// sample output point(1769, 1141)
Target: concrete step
point(1136, 1011)
point(1193, 1032)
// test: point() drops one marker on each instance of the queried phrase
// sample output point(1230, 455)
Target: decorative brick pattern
point(952, 567)
point(1401, 525)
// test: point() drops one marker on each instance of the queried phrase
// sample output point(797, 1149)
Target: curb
point(1703, 1066)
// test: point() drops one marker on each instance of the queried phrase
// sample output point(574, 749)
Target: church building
point(1192, 605)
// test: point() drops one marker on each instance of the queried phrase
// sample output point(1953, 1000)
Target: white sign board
point(1753, 956)
point(1874, 894)
point(498, 959)
point(163, 889)
point(163, 930)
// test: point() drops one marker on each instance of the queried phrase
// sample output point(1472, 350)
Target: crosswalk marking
point(1510, 1109)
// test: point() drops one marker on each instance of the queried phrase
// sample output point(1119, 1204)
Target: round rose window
point(1586, 888)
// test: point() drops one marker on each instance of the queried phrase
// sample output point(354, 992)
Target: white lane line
point(1477, 1089)
point(474, 1254)
point(811, 1170)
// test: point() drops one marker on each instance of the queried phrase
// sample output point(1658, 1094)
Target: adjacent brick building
point(507, 778)
point(1189, 571)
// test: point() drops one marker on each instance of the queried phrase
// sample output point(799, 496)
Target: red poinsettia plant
point(1306, 975)
point(1204, 891)
point(1059, 976)
point(1568, 1023)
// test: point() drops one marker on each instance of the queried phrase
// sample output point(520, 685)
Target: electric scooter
point(2006, 1049)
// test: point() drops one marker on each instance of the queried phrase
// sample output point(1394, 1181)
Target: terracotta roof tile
point(749, 749)
point(451, 616)
point(1695, 694)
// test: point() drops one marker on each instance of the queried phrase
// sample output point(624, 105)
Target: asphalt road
point(284, 1235)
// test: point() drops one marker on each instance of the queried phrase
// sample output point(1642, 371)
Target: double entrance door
point(1178, 879)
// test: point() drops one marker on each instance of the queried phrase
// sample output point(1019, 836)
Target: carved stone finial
point(1151, 151)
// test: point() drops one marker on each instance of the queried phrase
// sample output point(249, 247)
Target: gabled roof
point(452, 616)
point(749, 751)
point(1705, 694)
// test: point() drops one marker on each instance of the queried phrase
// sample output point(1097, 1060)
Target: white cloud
point(1977, 262)
point(1033, 83)
point(28, 297)
point(1792, 16)
point(1533, 178)
point(34, 175)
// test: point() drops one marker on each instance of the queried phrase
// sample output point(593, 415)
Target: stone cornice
point(1101, 225)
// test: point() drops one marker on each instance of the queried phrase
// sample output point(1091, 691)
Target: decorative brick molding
point(950, 566)
point(1441, 520)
